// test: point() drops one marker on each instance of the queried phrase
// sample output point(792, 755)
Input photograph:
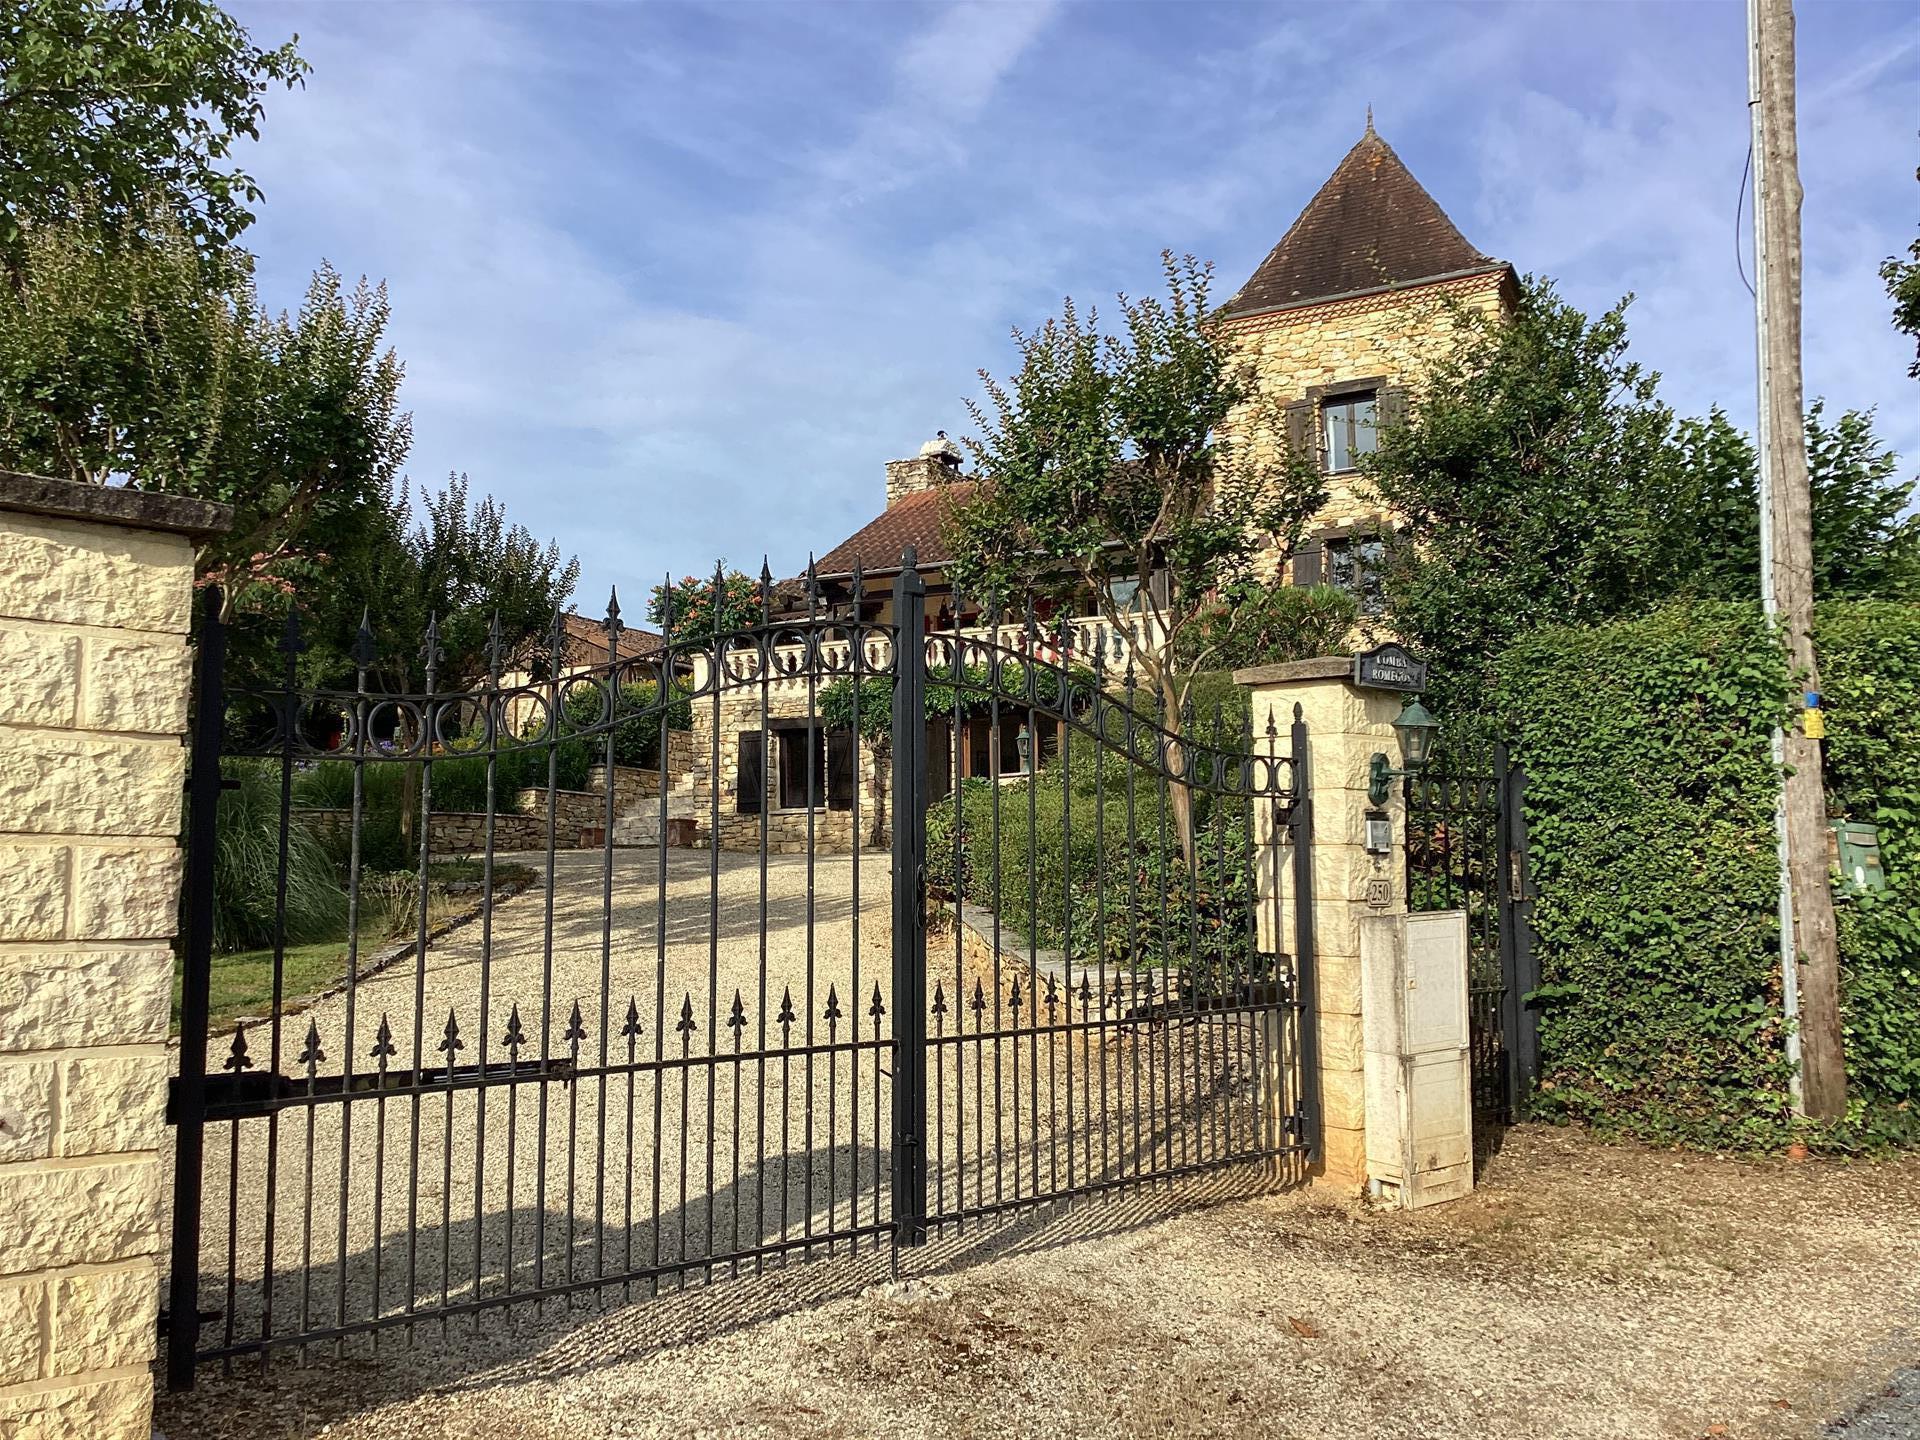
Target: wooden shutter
point(840, 769)
point(1300, 436)
point(1390, 408)
point(1307, 563)
point(750, 792)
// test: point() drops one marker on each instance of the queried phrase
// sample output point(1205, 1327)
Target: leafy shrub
point(1650, 795)
point(1870, 678)
point(246, 868)
point(975, 691)
point(1266, 624)
point(636, 740)
point(1083, 855)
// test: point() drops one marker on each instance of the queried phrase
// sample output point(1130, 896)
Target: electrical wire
point(1739, 205)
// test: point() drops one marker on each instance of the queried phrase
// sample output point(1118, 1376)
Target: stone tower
point(1346, 311)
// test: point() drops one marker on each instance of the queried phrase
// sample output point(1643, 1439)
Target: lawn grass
point(242, 981)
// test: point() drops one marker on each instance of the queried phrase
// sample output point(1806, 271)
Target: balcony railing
point(1085, 638)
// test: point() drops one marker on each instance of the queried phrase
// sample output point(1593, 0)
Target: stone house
point(1352, 305)
point(1340, 319)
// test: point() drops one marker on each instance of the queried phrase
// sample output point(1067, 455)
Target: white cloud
point(675, 282)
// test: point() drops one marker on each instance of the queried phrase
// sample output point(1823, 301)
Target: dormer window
point(1350, 424)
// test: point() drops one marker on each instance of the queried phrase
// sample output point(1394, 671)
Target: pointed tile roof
point(1371, 226)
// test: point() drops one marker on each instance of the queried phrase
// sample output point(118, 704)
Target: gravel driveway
point(386, 1206)
point(1582, 1291)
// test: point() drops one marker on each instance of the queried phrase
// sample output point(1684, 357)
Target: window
point(803, 766)
point(1350, 424)
point(1354, 564)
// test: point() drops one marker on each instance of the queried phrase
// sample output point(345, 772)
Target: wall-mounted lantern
point(1415, 729)
point(1024, 741)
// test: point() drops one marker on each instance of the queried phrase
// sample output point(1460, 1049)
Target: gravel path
point(1893, 1414)
point(387, 1206)
point(1582, 1291)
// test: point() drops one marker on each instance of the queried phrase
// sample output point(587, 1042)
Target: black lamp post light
point(1416, 730)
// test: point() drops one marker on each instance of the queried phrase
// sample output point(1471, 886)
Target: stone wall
point(95, 597)
point(630, 783)
point(460, 832)
point(573, 811)
point(787, 830)
point(1393, 337)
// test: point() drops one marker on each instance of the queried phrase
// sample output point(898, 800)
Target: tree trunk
point(882, 774)
point(1790, 583)
point(1179, 796)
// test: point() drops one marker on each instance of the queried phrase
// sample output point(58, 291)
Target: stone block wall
point(630, 783)
point(95, 600)
point(461, 832)
point(573, 811)
point(786, 829)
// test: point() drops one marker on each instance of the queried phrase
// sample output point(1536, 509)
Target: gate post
point(96, 590)
point(1340, 880)
point(909, 804)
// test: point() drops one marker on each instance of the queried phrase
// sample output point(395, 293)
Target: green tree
point(460, 564)
point(1256, 624)
point(692, 608)
point(1903, 288)
point(1866, 539)
point(1541, 482)
point(120, 358)
point(110, 106)
point(1144, 455)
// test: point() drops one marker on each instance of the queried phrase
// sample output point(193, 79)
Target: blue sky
point(674, 281)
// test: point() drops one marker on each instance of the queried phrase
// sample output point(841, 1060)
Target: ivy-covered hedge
point(1650, 796)
point(1870, 677)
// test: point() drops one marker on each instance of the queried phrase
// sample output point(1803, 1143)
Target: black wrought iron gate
point(900, 927)
point(1466, 849)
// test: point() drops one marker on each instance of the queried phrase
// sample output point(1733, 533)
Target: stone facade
point(787, 829)
point(1385, 339)
point(95, 600)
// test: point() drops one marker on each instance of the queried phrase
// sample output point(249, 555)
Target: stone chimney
point(937, 463)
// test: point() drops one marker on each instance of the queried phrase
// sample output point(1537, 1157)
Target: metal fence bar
point(203, 804)
point(909, 816)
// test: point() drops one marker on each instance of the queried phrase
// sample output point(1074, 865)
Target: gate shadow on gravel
point(561, 1337)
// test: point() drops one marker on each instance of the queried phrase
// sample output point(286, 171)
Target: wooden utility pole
point(1809, 948)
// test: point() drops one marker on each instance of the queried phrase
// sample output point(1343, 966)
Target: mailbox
point(1858, 847)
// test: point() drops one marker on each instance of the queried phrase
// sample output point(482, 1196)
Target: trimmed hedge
point(1870, 675)
point(1650, 794)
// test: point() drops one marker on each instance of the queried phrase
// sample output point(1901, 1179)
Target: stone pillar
point(1346, 725)
point(95, 593)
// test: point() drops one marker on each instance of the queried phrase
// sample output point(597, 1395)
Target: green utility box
point(1859, 856)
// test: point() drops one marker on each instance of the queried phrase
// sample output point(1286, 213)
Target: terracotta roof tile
point(917, 520)
point(1370, 226)
point(587, 640)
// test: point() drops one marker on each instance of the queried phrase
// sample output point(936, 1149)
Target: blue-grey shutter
point(1307, 563)
point(1300, 431)
point(1390, 407)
